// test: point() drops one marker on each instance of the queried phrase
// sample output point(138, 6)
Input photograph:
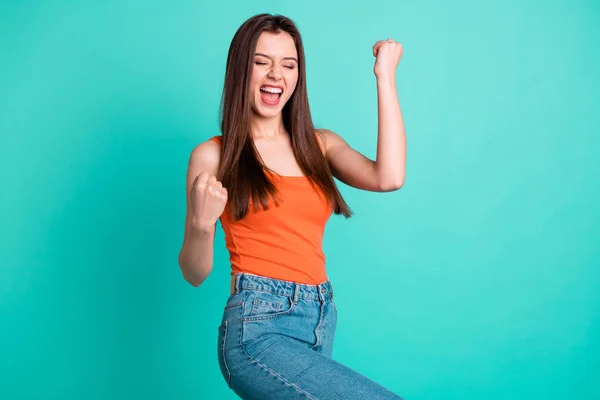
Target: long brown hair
point(241, 168)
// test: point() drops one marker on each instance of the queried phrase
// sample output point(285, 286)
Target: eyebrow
point(285, 58)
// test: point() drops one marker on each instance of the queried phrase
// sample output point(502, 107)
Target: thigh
point(288, 369)
point(268, 350)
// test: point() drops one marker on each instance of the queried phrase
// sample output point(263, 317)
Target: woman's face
point(275, 73)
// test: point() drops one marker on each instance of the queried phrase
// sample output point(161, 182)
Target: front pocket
point(264, 305)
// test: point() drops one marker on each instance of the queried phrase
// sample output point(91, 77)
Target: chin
point(268, 114)
point(266, 111)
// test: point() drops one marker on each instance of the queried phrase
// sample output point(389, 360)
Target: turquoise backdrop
point(487, 261)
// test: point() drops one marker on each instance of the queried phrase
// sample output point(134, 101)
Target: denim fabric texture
point(275, 341)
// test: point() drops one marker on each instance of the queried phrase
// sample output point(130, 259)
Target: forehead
point(278, 45)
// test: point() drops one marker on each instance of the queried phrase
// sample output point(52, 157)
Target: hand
point(208, 199)
point(388, 54)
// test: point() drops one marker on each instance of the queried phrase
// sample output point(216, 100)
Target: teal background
point(479, 279)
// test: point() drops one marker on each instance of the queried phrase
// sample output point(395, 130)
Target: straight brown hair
point(241, 169)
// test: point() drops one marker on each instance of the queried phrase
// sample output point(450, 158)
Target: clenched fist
point(387, 56)
point(208, 199)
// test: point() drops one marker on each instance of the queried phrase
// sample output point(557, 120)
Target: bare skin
point(276, 68)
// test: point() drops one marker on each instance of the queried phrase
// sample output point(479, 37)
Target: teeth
point(271, 89)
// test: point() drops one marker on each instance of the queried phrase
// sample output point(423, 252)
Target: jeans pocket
point(264, 305)
point(221, 353)
point(234, 300)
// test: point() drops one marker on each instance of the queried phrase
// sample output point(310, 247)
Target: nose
point(275, 72)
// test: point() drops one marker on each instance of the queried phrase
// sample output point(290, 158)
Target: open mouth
point(270, 95)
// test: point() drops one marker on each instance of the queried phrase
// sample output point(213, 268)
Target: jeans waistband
point(283, 288)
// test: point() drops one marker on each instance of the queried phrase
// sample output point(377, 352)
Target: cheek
point(292, 81)
point(257, 77)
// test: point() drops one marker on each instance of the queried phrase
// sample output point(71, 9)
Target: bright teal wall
point(486, 263)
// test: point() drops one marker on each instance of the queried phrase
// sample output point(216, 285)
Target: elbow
point(194, 282)
point(190, 275)
point(391, 185)
point(194, 279)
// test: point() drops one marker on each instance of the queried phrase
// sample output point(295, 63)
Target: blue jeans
point(276, 342)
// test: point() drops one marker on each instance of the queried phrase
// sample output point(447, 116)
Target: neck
point(267, 128)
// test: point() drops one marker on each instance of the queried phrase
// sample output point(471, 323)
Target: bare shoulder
point(206, 156)
point(329, 139)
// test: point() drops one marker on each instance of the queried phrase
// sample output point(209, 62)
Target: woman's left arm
point(388, 170)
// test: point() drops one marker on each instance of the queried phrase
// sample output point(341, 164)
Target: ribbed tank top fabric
point(284, 241)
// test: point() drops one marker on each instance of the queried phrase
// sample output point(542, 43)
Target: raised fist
point(208, 199)
point(387, 57)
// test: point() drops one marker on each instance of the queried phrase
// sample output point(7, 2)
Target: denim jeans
point(276, 342)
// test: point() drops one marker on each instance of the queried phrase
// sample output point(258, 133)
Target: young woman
point(269, 179)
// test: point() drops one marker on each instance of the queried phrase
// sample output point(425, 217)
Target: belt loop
point(296, 292)
point(237, 282)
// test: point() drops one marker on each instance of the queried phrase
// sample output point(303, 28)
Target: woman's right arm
point(206, 199)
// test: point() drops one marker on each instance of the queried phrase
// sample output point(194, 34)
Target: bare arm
point(388, 170)
point(196, 254)
point(391, 143)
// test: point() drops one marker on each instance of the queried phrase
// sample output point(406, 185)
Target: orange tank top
point(284, 241)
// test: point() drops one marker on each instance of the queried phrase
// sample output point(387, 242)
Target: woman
point(269, 179)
